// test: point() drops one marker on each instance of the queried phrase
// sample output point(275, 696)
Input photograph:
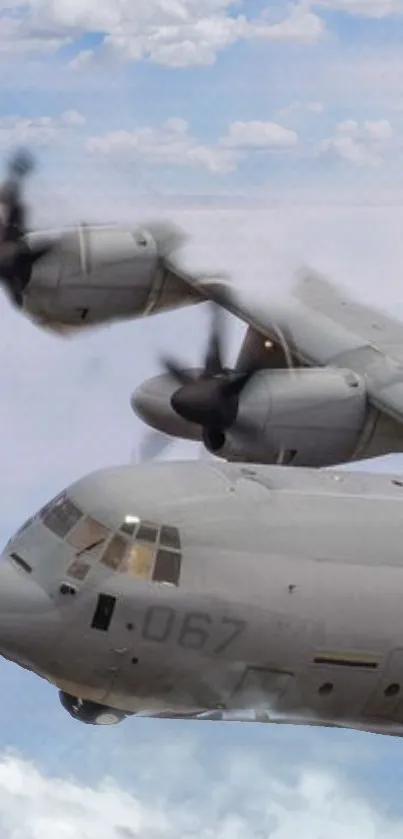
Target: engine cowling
point(307, 417)
point(100, 274)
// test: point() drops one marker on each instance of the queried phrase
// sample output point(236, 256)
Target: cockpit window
point(129, 527)
point(170, 537)
point(79, 569)
point(147, 532)
point(114, 553)
point(61, 516)
point(153, 553)
point(167, 567)
point(138, 561)
point(88, 535)
point(142, 549)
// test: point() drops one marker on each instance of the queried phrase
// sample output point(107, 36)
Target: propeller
point(211, 399)
point(152, 445)
point(17, 256)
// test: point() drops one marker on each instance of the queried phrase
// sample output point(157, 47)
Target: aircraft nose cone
point(29, 620)
point(19, 593)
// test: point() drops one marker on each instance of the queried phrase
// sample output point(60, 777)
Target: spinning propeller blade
point(17, 257)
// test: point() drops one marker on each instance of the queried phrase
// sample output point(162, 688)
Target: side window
point(61, 516)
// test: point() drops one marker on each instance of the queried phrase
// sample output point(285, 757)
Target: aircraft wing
point(378, 354)
point(319, 323)
point(373, 325)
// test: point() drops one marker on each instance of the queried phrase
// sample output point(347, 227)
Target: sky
point(202, 97)
point(272, 134)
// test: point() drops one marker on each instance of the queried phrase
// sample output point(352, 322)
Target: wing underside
point(264, 346)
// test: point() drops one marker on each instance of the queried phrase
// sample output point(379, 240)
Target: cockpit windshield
point(60, 515)
point(87, 534)
point(140, 548)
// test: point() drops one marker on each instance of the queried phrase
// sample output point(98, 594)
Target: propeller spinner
point(211, 399)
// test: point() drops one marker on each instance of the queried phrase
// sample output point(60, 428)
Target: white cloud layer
point(363, 145)
point(172, 144)
point(364, 8)
point(175, 33)
point(248, 800)
point(172, 32)
point(259, 136)
point(39, 131)
point(18, 38)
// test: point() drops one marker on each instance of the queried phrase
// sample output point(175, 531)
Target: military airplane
point(216, 591)
point(318, 380)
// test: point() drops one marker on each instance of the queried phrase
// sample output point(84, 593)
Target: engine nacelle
point(307, 417)
point(98, 274)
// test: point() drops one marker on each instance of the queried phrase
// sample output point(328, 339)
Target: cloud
point(72, 118)
point(361, 145)
point(364, 8)
point(257, 135)
point(170, 145)
point(41, 130)
point(18, 38)
point(301, 26)
point(175, 33)
point(243, 797)
point(199, 40)
point(173, 145)
point(378, 131)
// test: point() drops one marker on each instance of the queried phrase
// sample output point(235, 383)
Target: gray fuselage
point(236, 588)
